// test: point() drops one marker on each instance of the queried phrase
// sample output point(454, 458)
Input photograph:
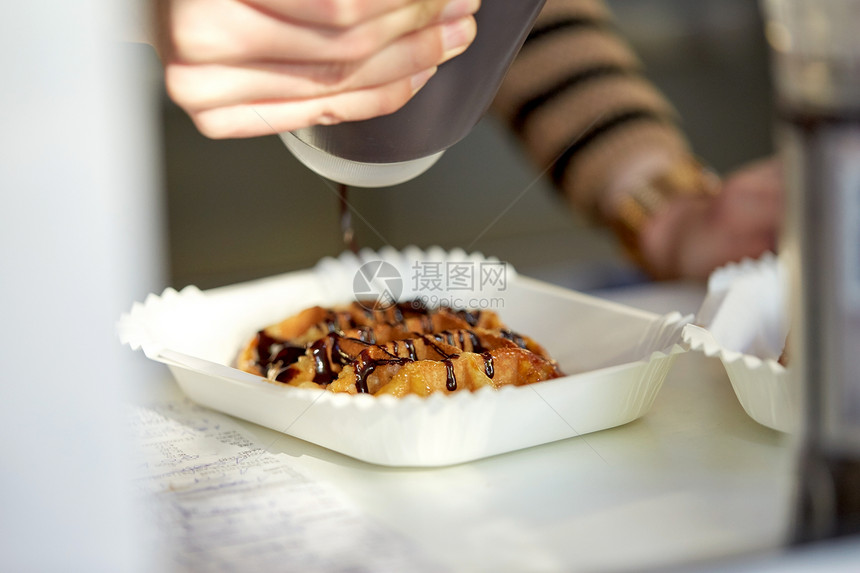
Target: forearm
point(577, 98)
point(579, 102)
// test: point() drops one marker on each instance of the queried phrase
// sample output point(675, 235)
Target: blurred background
point(242, 209)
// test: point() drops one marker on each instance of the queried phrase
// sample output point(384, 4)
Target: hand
point(694, 236)
point(243, 68)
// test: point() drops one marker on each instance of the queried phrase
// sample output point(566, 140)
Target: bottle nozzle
point(357, 173)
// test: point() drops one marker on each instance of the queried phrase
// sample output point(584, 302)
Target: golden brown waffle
point(401, 349)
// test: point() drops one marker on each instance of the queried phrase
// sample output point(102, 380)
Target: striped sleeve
point(578, 100)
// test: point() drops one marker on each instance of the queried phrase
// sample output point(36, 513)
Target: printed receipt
point(220, 502)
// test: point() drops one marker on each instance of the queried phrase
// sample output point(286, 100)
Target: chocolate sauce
point(275, 356)
point(488, 364)
point(270, 350)
point(337, 352)
point(513, 337)
point(331, 322)
point(470, 316)
point(410, 348)
point(323, 374)
point(346, 228)
point(431, 340)
point(367, 334)
point(450, 378)
point(426, 323)
point(414, 307)
point(398, 314)
point(477, 347)
point(365, 366)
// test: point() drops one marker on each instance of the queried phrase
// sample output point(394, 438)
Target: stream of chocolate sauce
point(346, 228)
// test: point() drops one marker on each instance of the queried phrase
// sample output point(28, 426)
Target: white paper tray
point(622, 356)
point(763, 387)
point(743, 322)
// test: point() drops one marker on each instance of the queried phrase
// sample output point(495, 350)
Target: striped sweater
point(576, 97)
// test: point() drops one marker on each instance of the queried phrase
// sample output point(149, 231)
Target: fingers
point(704, 252)
point(224, 31)
point(336, 13)
point(279, 65)
point(347, 13)
point(266, 118)
point(201, 87)
point(751, 201)
point(750, 209)
point(730, 229)
point(693, 236)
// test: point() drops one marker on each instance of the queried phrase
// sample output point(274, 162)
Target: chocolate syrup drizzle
point(513, 337)
point(323, 373)
point(275, 356)
point(365, 365)
point(346, 229)
point(450, 378)
point(488, 364)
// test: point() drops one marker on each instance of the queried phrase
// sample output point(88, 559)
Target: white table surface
point(692, 483)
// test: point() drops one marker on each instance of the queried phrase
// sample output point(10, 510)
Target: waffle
point(400, 349)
